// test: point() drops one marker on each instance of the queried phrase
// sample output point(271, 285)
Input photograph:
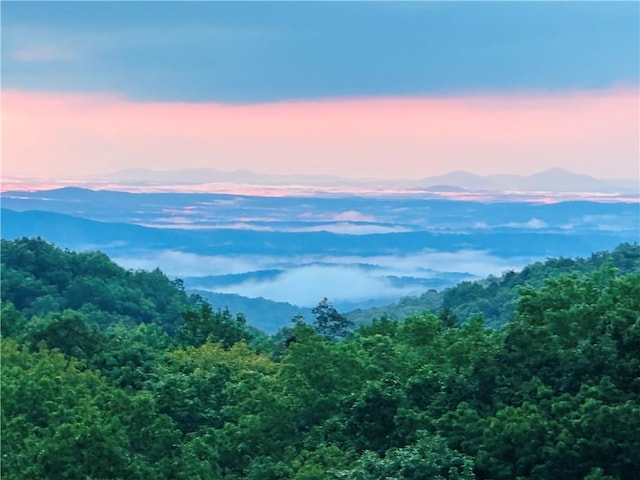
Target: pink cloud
point(56, 134)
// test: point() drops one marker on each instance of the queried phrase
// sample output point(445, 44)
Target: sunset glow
point(89, 134)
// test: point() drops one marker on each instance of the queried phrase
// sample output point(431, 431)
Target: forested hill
point(40, 278)
point(495, 298)
point(553, 394)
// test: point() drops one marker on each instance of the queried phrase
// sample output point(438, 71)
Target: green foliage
point(328, 322)
point(63, 422)
point(429, 457)
point(496, 299)
point(201, 324)
point(429, 301)
point(68, 332)
point(553, 394)
point(130, 355)
point(39, 278)
point(12, 322)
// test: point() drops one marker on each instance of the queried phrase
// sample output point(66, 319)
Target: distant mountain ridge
point(81, 233)
point(552, 180)
point(211, 175)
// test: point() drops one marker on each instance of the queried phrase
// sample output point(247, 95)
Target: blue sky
point(256, 52)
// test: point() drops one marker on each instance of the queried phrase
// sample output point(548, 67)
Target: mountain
point(362, 251)
point(553, 180)
point(445, 188)
point(198, 176)
point(80, 233)
point(340, 214)
point(284, 249)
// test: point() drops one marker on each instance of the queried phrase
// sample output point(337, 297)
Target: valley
point(282, 254)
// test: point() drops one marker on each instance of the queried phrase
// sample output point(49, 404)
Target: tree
point(130, 354)
point(203, 325)
point(429, 457)
point(39, 278)
point(11, 321)
point(69, 331)
point(329, 323)
point(62, 421)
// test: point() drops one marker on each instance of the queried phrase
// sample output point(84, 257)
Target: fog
point(305, 286)
point(306, 279)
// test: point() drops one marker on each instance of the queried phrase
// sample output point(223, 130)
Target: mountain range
point(287, 252)
point(553, 180)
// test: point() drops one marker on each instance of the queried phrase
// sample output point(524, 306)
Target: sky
point(359, 89)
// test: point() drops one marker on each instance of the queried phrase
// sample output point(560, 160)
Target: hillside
point(266, 315)
point(39, 278)
point(96, 389)
point(495, 298)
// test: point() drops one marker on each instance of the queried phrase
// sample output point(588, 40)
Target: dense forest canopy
point(109, 374)
point(39, 278)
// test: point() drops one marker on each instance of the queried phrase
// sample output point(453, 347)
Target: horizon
point(139, 170)
point(445, 187)
point(408, 91)
point(302, 174)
